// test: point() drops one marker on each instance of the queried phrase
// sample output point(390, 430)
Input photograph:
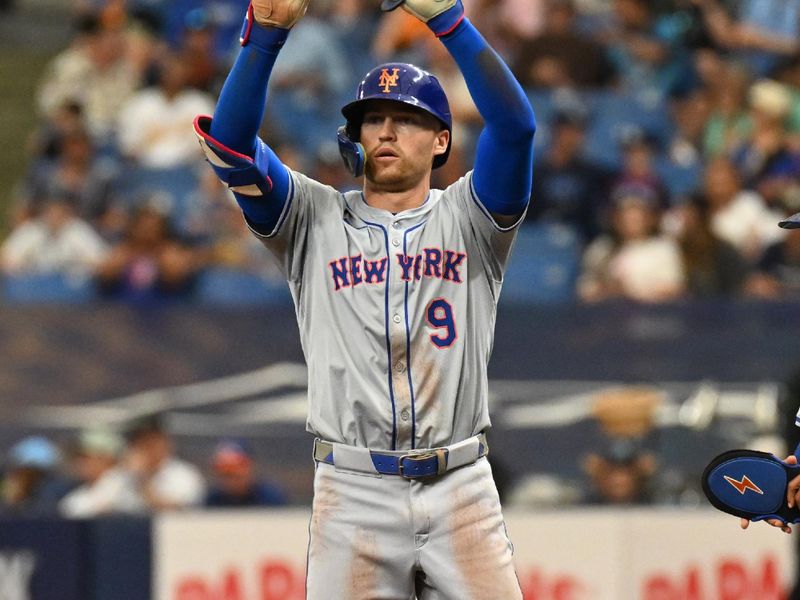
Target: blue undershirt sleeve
point(503, 170)
point(238, 116)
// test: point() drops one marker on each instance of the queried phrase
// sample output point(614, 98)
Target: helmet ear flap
point(352, 152)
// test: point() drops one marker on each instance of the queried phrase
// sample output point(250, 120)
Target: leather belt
point(414, 464)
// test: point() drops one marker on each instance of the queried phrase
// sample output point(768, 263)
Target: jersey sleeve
point(494, 240)
point(307, 201)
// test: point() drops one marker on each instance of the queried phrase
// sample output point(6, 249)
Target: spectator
point(560, 56)
point(95, 73)
point(223, 18)
point(105, 487)
point(638, 171)
point(312, 71)
point(738, 216)
point(155, 124)
point(645, 49)
point(57, 241)
point(713, 266)
point(196, 51)
point(620, 475)
point(236, 481)
point(569, 188)
point(77, 172)
point(765, 160)
point(777, 275)
point(216, 224)
point(162, 480)
point(636, 261)
point(690, 114)
point(729, 122)
point(328, 168)
point(789, 75)
point(518, 19)
point(150, 263)
point(760, 32)
point(398, 37)
point(45, 143)
point(32, 485)
point(355, 23)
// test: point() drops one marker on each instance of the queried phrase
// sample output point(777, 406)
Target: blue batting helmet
point(404, 83)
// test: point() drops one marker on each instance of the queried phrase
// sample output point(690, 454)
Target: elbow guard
point(242, 174)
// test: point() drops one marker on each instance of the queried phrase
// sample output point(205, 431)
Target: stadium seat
point(56, 288)
point(227, 287)
point(544, 265)
point(170, 187)
point(615, 117)
point(681, 181)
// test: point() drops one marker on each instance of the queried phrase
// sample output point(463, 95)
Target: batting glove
point(278, 13)
point(441, 16)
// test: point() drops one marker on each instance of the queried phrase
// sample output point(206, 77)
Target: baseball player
point(395, 288)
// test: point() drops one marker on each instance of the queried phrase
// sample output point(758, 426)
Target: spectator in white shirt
point(155, 124)
point(635, 261)
point(739, 216)
point(105, 487)
point(57, 241)
point(162, 480)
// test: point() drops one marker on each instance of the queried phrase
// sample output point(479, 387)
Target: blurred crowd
point(142, 468)
point(134, 472)
point(668, 138)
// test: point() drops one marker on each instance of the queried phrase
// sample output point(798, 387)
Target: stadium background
point(675, 379)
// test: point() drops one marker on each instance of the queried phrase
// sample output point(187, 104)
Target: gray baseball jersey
point(396, 312)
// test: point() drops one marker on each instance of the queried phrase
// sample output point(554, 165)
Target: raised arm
point(230, 139)
point(503, 168)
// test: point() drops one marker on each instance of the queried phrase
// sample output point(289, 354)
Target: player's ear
point(441, 142)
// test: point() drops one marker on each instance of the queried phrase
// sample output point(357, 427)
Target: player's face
point(400, 142)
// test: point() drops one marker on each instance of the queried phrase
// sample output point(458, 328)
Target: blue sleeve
point(503, 170)
point(238, 116)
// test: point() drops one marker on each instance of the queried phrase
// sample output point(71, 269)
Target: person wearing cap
point(162, 480)
point(236, 482)
point(32, 484)
point(105, 487)
point(395, 287)
point(570, 187)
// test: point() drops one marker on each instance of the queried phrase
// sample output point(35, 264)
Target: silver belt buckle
point(441, 463)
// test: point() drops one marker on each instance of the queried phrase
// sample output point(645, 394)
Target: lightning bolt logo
point(743, 485)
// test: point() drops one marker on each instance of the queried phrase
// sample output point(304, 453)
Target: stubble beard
point(396, 178)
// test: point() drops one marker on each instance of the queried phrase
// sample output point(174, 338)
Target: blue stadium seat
point(681, 181)
point(226, 287)
point(172, 186)
point(55, 288)
point(544, 265)
point(615, 116)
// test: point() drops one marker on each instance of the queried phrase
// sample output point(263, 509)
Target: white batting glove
point(442, 16)
point(278, 13)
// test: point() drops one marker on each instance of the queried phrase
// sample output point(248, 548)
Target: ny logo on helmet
point(387, 80)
